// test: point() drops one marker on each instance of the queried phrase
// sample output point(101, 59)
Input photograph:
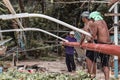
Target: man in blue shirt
point(70, 53)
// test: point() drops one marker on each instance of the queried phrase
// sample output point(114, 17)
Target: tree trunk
point(42, 5)
point(15, 26)
point(24, 21)
point(22, 10)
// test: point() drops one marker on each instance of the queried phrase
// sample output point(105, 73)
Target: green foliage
point(13, 74)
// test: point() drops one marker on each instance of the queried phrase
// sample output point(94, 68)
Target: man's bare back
point(102, 31)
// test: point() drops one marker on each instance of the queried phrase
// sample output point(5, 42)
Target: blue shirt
point(69, 49)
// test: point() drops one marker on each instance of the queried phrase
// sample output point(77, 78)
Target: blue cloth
point(69, 49)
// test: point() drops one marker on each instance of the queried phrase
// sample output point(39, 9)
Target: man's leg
point(105, 65)
point(72, 62)
point(91, 66)
point(91, 62)
point(106, 72)
point(68, 63)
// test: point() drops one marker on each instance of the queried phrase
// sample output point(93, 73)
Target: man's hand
point(61, 42)
point(64, 42)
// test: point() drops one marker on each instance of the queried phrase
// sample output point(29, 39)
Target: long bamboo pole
point(22, 15)
point(33, 29)
point(4, 41)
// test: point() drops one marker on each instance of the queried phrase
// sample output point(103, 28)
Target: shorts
point(104, 58)
point(92, 55)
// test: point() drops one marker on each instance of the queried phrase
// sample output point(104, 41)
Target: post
point(1, 37)
point(116, 41)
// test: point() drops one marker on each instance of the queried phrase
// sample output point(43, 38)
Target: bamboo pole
point(112, 14)
point(74, 2)
point(33, 29)
point(23, 15)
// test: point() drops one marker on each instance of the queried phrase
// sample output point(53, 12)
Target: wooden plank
point(112, 14)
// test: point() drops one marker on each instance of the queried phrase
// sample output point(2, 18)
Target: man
point(70, 53)
point(100, 31)
point(90, 55)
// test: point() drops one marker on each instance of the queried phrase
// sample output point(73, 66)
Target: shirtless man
point(100, 31)
point(90, 55)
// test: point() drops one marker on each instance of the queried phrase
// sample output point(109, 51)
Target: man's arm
point(93, 30)
point(83, 36)
point(82, 39)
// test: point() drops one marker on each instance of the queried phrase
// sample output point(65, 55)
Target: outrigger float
point(102, 48)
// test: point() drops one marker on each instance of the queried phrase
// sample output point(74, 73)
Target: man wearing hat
point(95, 25)
point(70, 53)
point(90, 55)
point(100, 30)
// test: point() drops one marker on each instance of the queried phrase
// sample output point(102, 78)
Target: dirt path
point(50, 66)
point(57, 66)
